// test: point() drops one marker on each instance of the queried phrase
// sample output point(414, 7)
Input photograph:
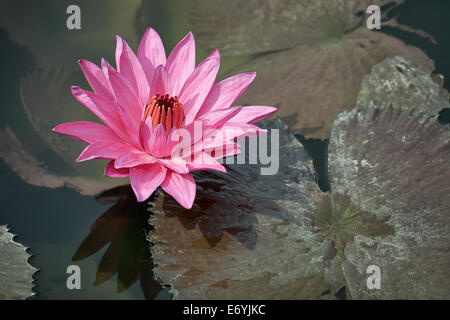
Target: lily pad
point(395, 165)
point(16, 274)
point(310, 57)
point(258, 237)
point(33, 171)
point(248, 236)
point(47, 101)
point(399, 83)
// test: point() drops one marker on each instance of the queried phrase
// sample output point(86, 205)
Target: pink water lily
point(146, 100)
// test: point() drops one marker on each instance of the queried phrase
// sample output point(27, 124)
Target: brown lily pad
point(248, 236)
point(16, 274)
point(399, 83)
point(259, 237)
point(311, 57)
point(394, 165)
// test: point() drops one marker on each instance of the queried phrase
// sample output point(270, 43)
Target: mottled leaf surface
point(312, 56)
point(16, 274)
point(399, 83)
point(395, 165)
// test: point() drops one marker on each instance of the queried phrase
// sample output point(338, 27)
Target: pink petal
point(253, 114)
point(204, 161)
point(221, 148)
point(145, 133)
point(213, 54)
point(160, 82)
point(104, 109)
point(125, 96)
point(241, 130)
point(229, 149)
point(216, 118)
point(86, 131)
point(180, 186)
point(173, 139)
point(157, 146)
point(133, 159)
point(145, 179)
point(151, 53)
point(130, 127)
point(112, 172)
point(94, 75)
point(129, 66)
point(175, 164)
point(104, 150)
point(197, 87)
point(181, 63)
point(227, 92)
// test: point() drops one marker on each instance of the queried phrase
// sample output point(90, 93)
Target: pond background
point(33, 36)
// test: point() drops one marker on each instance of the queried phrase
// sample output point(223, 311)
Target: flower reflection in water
point(124, 228)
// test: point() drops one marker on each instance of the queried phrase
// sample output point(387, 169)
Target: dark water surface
point(54, 222)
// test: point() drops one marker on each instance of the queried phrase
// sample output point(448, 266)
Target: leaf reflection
point(124, 227)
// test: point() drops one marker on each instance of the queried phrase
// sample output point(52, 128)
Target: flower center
point(165, 110)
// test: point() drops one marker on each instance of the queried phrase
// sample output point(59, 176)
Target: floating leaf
point(248, 236)
point(33, 171)
point(312, 56)
point(47, 101)
point(398, 83)
point(16, 274)
point(255, 237)
point(395, 165)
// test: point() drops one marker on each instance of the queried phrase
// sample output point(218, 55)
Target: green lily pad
point(310, 57)
point(16, 274)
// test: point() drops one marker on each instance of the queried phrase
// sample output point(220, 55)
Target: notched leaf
point(16, 274)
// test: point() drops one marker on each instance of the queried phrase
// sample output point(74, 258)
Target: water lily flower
point(147, 101)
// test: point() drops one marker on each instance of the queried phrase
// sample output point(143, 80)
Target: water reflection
point(123, 228)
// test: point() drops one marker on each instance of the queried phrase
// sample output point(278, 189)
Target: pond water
point(54, 221)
